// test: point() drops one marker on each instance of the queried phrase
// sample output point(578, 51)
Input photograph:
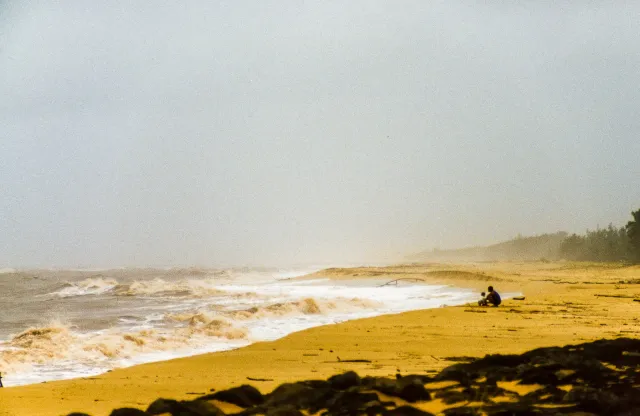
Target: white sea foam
point(175, 316)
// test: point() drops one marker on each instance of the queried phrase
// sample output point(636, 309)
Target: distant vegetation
point(544, 246)
point(608, 244)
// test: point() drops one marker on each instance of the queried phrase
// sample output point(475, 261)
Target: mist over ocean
point(72, 323)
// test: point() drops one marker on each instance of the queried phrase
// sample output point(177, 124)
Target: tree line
point(608, 244)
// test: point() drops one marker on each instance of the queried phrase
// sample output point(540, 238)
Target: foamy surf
point(110, 319)
point(90, 286)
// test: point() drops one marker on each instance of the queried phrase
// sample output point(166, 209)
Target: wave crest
point(212, 325)
point(307, 306)
point(161, 287)
point(89, 286)
point(35, 346)
point(55, 343)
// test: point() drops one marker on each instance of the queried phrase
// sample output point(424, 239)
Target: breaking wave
point(156, 287)
point(57, 342)
point(161, 287)
point(35, 346)
point(90, 286)
point(307, 306)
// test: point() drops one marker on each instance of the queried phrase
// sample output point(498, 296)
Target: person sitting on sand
point(493, 298)
point(483, 301)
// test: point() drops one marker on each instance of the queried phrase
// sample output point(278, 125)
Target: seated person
point(483, 301)
point(493, 297)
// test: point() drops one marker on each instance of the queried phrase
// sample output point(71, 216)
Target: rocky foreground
point(601, 377)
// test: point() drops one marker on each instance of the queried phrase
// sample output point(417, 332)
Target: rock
point(457, 372)
point(316, 384)
point(589, 398)
point(243, 396)
point(381, 384)
point(546, 395)
point(160, 406)
point(183, 408)
point(485, 393)
point(454, 395)
point(287, 410)
point(345, 380)
point(374, 408)
point(512, 409)
point(127, 411)
point(411, 390)
point(350, 403)
point(300, 396)
point(545, 375)
point(593, 372)
point(498, 360)
point(200, 408)
point(417, 378)
point(407, 411)
point(462, 411)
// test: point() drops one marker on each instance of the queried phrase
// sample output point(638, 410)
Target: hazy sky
point(279, 132)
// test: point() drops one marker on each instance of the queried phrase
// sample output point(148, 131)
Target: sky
point(163, 133)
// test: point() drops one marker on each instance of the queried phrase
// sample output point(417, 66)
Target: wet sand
point(564, 303)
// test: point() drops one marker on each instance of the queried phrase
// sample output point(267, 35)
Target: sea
point(60, 324)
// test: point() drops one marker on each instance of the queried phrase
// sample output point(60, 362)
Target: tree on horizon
point(633, 232)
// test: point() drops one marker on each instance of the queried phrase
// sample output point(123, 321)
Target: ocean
point(60, 324)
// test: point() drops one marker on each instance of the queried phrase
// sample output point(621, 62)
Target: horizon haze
point(279, 133)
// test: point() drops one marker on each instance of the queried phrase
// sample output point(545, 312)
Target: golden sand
point(565, 303)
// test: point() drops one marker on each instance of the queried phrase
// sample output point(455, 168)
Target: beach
point(565, 303)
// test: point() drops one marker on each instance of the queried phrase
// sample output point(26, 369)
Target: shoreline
point(560, 309)
point(326, 318)
point(361, 299)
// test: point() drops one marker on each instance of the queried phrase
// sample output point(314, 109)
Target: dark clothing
point(494, 298)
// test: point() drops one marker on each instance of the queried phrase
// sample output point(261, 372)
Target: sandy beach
point(565, 303)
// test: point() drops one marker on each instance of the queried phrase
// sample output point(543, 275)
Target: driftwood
point(353, 361)
point(615, 296)
point(259, 379)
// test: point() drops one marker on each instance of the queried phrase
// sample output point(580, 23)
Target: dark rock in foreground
point(243, 396)
point(600, 377)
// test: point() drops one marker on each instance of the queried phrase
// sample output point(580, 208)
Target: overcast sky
point(280, 132)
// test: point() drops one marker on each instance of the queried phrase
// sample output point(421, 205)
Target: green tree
point(572, 247)
point(633, 232)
